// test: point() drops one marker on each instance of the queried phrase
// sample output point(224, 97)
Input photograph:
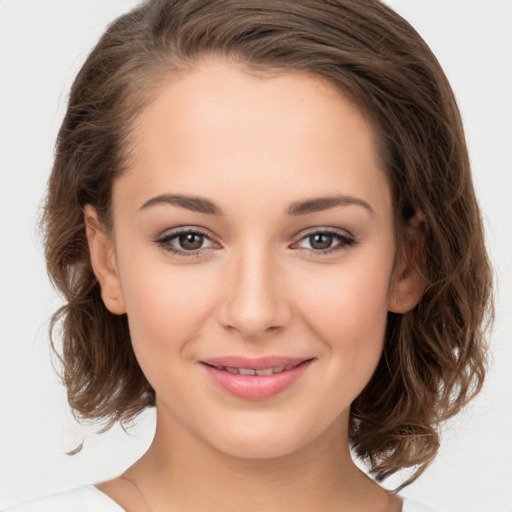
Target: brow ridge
point(193, 203)
point(319, 204)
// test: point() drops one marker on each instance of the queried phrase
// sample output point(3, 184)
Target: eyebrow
point(324, 203)
point(202, 205)
point(195, 204)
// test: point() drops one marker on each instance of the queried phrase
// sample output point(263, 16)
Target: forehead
point(289, 132)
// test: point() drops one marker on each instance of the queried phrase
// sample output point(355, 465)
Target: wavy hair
point(433, 361)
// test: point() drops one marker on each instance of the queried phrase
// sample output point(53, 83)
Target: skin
point(258, 285)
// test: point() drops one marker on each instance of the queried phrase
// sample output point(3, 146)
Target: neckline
point(105, 497)
point(406, 502)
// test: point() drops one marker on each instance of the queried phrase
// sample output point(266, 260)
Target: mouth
point(256, 379)
point(273, 370)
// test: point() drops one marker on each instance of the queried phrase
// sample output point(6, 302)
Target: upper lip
point(258, 363)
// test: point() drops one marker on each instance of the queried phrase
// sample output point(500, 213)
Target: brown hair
point(434, 357)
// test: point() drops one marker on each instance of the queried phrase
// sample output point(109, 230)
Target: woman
point(258, 217)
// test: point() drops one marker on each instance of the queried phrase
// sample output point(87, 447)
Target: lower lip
point(256, 387)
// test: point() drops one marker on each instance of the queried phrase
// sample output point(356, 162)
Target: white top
point(90, 499)
point(87, 498)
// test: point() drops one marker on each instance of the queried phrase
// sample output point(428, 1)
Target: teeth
point(252, 371)
point(266, 371)
point(246, 371)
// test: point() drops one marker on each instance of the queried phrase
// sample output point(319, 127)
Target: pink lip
point(255, 387)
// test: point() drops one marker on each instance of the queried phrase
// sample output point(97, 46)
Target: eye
point(320, 241)
point(190, 241)
point(186, 242)
point(325, 241)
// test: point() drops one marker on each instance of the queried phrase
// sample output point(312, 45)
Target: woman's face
point(253, 231)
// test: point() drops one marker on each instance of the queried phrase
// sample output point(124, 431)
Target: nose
point(255, 302)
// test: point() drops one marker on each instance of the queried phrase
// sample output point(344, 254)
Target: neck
point(181, 472)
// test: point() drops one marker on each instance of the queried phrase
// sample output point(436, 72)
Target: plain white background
point(42, 45)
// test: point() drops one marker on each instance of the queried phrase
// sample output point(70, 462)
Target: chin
point(263, 441)
point(260, 449)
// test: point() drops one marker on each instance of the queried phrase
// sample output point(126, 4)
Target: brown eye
point(325, 242)
point(187, 243)
point(320, 241)
point(191, 241)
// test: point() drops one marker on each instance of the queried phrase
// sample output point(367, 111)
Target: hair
point(433, 360)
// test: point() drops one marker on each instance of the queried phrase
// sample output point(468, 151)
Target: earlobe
point(103, 261)
point(409, 282)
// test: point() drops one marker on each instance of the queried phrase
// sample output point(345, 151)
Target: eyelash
point(344, 241)
point(165, 242)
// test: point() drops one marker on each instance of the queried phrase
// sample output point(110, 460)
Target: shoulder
point(82, 499)
point(413, 506)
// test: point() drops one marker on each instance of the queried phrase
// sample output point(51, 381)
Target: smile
point(255, 371)
point(256, 379)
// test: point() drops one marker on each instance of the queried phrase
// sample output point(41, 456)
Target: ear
point(408, 284)
point(103, 261)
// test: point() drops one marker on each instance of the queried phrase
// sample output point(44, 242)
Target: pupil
point(320, 241)
point(191, 241)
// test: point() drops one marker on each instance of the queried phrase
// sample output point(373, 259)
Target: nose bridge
point(255, 302)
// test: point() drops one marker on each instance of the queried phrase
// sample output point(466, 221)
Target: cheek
point(349, 313)
point(165, 306)
point(352, 327)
